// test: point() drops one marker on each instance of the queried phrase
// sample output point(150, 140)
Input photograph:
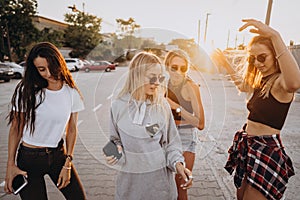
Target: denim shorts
point(188, 138)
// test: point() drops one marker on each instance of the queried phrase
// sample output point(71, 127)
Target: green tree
point(83, 33)
point(127, 28)
point(17, 30)
point(53, 36)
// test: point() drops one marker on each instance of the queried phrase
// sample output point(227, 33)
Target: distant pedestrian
point(45, 104)
point(144, 130)
point(262, 168)
point(184, 98)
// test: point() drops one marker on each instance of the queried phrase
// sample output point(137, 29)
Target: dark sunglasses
point(260, 58)
point(183, 69)
point(154, 79)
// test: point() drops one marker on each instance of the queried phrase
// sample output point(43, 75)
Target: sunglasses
point(152, 130)
point(260, 58)
point(154, 79)
point(183, 69)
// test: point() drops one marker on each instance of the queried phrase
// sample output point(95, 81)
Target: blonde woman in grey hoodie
point(143, 128)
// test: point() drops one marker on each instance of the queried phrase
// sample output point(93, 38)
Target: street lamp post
point(206, 22)
point(8, 42)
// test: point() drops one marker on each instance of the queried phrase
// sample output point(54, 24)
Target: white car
point(74, 63)
point(17, 69)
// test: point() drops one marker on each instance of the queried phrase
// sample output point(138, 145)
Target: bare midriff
point(258, 129)
point(31, 146)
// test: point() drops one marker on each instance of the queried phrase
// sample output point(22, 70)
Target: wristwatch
point(178, 110)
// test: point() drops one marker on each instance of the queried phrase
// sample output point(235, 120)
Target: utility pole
point(268, 15)
point(206, 23)
point(228, 39)
point(199, 32)
point(235, 41)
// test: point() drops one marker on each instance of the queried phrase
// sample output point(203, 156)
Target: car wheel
point(7, 80)
point(87, 70)
point(76, 69)
point(108, 69)
point(18, 76)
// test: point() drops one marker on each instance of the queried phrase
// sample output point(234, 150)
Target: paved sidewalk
point(211, 181)
point(98, 179)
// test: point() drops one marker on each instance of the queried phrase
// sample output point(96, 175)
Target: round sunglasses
point(182, 69)
point(153, 80)
point(260, 58)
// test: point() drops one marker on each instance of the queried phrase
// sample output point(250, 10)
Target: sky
point(168, 19)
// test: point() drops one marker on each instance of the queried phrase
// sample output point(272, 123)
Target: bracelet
point(281, 53)
point(183, 163)
point(70, 157)
point(65, 167)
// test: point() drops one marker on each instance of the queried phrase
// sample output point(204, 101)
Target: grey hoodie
point(151, 148)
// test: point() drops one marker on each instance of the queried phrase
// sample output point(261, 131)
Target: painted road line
point(211, 138)
point(109, 97)
point(97, 107)
point(79, 122)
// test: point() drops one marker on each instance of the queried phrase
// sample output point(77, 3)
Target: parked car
point(17, 69)
point(23, 63)
point(70, 65)
point(74, 63)
point(6, 73)
point(100, 65)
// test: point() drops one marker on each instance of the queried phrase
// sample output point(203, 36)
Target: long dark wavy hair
point(24, 102)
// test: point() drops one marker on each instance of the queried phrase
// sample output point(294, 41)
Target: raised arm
point(290, 73)
point(220, 60)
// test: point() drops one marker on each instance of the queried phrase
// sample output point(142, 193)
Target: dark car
point(99, 65)
point(6, 73)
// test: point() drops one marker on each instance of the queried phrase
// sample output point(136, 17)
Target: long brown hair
point(24, 101)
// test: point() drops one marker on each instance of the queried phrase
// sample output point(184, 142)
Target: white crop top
point(52, 116)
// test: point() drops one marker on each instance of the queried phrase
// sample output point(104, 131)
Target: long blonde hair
point(252, 77)
point(138, 67)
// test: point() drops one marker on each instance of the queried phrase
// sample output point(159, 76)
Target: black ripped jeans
point(38, 162)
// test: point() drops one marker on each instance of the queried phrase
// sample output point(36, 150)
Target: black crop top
point(268, 111)
point(174, 93)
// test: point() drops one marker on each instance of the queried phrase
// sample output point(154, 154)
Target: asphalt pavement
point(225, 113)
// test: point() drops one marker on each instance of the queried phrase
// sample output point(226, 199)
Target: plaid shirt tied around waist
point(262, 160)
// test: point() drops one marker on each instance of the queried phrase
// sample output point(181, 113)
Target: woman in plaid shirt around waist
point(271, 76)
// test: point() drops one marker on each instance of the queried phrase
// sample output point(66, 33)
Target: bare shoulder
point(192, 85)
point(191, 90)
